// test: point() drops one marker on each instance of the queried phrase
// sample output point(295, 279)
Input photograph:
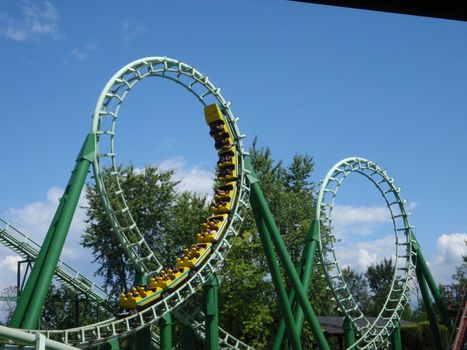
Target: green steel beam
point(212, 313)
point(437, 296)
point(396, 339)
point(268, 229)
point(349, 333)
point(429, 308)
point(28, 310)
point(259, 201)
point(306, 274)
point(274, 268)
point(165, 326)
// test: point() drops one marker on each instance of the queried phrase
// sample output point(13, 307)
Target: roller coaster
point(162, 291)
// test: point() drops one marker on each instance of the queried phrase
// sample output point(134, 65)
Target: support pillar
point(260, 206)
point(28, 311)
point(212, 313)
point(396, 339)
point(278, 282)
point(165, 326)
point(113, 344)
point(349, 333)
point(429, 308)
point(258, 201)
point(306, 274)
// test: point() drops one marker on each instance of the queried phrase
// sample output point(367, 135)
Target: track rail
point(124, 226)
point(25, 247)
point(372, 335)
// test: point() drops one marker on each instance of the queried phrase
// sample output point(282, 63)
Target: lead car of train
point(211, 231)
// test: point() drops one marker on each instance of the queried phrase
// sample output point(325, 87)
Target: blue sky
point(326, 81)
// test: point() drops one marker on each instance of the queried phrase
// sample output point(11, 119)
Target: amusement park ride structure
point(161, 292)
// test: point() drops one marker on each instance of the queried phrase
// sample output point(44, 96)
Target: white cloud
point(191, 178)
point(81, 53)
point(360, 221)
point(362, 254)
point(35, 20)
point(9, 262)
point(34, 220)
point(450, 248)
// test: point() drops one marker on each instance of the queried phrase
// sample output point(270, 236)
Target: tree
point(168, 221)
point(358, 287)
point(249, 306)
point(8, 306)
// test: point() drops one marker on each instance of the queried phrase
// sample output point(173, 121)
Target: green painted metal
point(279, 286)
point(437, 296)
point(211, 304)
point(165, 326)
point(27, 313)
point(259, 204)
point(396, 339)
point(349, 333)
point(429, 308)
point(114, 344)
point(370, 335)
point(306, 274)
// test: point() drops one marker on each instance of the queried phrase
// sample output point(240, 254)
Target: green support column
point(277, 281)
point(113, 344)
point(165, 326)
point(440, 303)
point(188, 338)
point(258, 200)
point(396, 339)
point(28, 310)
point(212, 313)
point(306, 274)
point(349, 333)
point(141, 339)
point(260, 206)
point(429, 308)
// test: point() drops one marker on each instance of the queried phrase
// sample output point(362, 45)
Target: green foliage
point(64, 308)
point(358, 287)
point(419, 336)
point(249, 305)
point(379, 277)
point(412, 337)
point(168, 221)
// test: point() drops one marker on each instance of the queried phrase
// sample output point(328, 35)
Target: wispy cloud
point(34, 220)
point(362, 254)
point(360, 221)
point(81, 53)
point(450, 248)
point(130, 30)
point(192, 178)
point(32, 20)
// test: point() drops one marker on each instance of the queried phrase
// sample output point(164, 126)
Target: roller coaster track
point(28, 249)
point(25, 247)
point(372, 335)
point(148, 306)
point(125, 228)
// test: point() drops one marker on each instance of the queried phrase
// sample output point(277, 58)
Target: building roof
point(334, 325)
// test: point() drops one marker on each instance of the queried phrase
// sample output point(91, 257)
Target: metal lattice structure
point(99, 151)
point(372, 335)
